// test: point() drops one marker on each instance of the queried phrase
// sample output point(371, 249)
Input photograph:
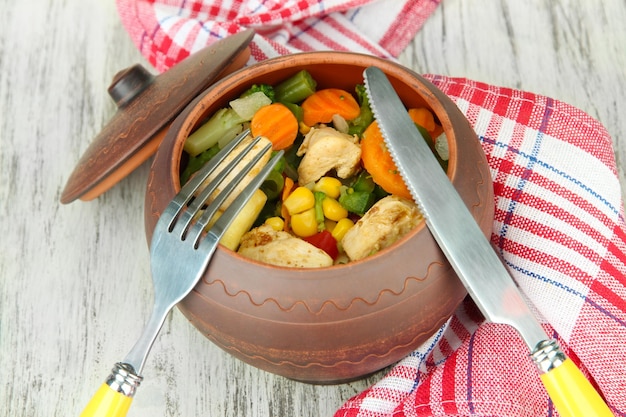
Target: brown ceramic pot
point(343, 322)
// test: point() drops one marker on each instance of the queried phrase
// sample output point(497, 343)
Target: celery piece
point(295, 88)
point(197, 162)
point(229, 135)
point(273, 185)
point(250, 104)
point(319, 212)
point(275, 182)
point(212, 131)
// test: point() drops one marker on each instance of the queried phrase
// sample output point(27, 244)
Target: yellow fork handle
point(107, 402)
point(572, 394)
point(115, 395)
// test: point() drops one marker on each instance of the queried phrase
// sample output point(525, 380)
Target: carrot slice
point(378, 162)
point(425, 118)
point(321, 106)
point(277, 123)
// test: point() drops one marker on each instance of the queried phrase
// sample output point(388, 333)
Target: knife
point(470, 253)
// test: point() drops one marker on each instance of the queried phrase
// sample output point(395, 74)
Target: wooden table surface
point(75, 287)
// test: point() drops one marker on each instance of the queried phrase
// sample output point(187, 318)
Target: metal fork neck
point(123, 379)
point(137, 356)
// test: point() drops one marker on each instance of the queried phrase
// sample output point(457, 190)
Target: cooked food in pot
point(336, 196)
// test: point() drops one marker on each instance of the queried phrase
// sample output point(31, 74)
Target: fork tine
point(216, 232)
point(199, 200)
point(227, 189)
point(174, 208)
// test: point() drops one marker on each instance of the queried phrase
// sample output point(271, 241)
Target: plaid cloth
point(166, 31)
point(558, 225)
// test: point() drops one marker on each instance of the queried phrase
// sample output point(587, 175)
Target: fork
point(180, 252)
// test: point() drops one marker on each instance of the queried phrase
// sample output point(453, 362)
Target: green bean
point(295, 88)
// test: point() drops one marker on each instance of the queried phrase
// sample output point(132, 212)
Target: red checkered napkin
point(166, 31)
point(559, 223)
point(559, 227)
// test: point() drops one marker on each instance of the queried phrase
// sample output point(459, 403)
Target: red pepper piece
point(325, 241)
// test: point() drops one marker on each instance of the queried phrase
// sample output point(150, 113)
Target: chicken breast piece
point(280, 248)
point(386, 222)
point(325, 149)
point(247, 158)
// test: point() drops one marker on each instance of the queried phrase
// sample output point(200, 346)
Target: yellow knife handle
point(115, 395)
point(572, 394)
point(107, 402)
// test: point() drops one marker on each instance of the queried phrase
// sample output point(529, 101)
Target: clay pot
point(343, 322)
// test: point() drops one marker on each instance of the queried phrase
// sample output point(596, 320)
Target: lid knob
point(129, 83)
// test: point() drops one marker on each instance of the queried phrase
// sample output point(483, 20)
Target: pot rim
point(231, 84)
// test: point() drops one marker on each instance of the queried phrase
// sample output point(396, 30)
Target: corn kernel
point(304, 224)
point(333, 210)
point(341, 228)
point(301, 199)
point(304, 129)
point(329, 224)
point(275, 223)
point(329, 186)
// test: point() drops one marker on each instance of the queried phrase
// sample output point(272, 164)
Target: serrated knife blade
point(470, 253)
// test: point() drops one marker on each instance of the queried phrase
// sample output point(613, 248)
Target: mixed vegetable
point(336, 195)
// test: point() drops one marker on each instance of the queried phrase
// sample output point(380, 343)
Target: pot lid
point(146, 105)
